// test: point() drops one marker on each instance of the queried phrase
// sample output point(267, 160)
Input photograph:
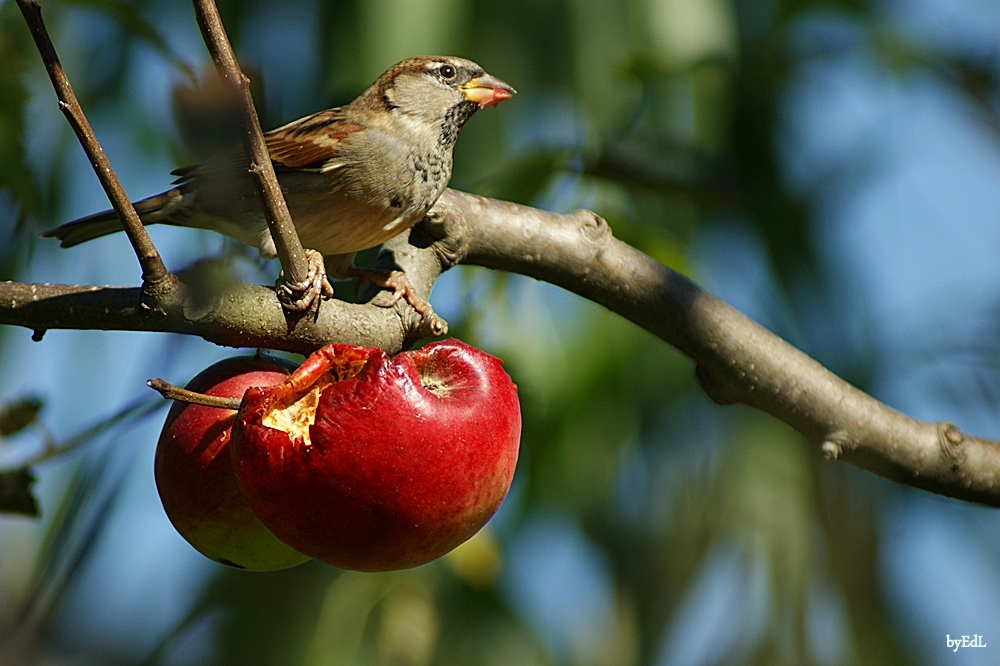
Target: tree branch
point(154, 272)
point(279, 220)
point(737, 360)
point(235, 314)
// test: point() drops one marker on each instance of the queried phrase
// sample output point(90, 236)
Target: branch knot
point(593, 226)
point(446, 232)
point(951, 441)
point(836, 445)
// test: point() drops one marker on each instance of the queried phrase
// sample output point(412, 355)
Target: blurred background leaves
point(829, 167)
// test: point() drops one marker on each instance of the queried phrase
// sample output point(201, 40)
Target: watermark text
point(973, 641)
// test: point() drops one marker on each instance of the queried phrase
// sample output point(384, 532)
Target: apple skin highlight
point(369, 462)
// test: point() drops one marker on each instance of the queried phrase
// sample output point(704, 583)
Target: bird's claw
point(398, 283)
point(301, 296)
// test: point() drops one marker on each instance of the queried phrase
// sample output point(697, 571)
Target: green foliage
point(15, 492)
point(19, 189)
point(19, 414)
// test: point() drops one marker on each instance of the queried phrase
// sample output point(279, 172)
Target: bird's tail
point(153, 210)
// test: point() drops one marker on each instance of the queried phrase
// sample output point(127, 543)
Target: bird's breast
point(367, 202)
point(431, 168)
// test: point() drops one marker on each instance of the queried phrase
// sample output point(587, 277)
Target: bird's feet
point(301, 296)
point(395, 281)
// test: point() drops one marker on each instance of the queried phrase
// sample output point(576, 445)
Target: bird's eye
point(447, 71)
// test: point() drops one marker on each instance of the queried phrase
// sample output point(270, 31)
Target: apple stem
point(171, 392)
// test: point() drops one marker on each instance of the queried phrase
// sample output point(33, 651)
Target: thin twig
point(171, 392)
point(154, 272)
point(279, 220)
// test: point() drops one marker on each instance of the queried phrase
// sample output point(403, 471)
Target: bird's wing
point(307, 143)
point(311, 142)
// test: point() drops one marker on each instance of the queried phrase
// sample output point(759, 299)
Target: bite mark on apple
point(295, 412)
point(296, 418)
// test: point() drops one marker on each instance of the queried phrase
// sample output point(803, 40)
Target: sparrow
point(353, 176)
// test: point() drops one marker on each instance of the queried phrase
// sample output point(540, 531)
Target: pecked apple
point(194, 471)
point(369, 462)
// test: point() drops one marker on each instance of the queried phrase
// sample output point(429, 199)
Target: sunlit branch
point(235, 315)
point(738, 361)
point(279, 220)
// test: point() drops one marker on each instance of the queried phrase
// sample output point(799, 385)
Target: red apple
point(194, 471)
point(369, 462)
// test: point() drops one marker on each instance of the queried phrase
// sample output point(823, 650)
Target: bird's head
point(437, 89)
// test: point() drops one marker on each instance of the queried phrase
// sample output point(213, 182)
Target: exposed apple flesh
point(369, 462)
point(194, 471)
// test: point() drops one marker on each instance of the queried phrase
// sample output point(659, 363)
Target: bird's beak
point(486, 91)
